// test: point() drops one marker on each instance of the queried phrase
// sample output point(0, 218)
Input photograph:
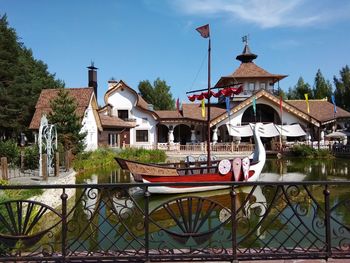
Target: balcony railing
point(125, 222)
point(195, 147)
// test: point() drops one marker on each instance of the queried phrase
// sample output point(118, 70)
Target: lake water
point(292, 169)
point(116, 220)
point(267, 217)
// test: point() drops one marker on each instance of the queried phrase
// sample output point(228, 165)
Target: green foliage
point(342, 88)
point(322, 88)
point(309, 152)
point(143, 155)
point(159, 94)
point(67, 123)
point(10, 150)
point(299, 91)
point(31, 157)
point(21, 80)
point(101, 157)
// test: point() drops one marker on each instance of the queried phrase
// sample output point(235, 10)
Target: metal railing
point(126, 222)
point(195, 147)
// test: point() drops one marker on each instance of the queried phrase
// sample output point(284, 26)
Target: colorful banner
point(254, 105)
point(227, 100)
point(203, 108)
point(335, 106)
point(307, 102)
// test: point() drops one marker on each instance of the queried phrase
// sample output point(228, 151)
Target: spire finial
point(245, 39)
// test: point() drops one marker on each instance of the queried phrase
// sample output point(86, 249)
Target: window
point(251, 86)
point(123, 114)
point(144, 120)
point(112, 139)
point(262, 85)
point(142, 136)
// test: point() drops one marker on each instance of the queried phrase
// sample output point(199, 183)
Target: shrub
point(10, 150)
point(309, 152)
point(143, 155)
point(31, 157)
point(94, 159)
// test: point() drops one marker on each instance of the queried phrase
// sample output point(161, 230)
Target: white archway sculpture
point(47, 144)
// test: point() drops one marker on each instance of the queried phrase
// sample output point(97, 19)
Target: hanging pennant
point(203, 108)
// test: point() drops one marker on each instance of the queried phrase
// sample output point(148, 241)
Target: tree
point(159, 94)
point(342, 88)
point(21, 80)
point(68, 124)
point(322, 88)
point(299, 91)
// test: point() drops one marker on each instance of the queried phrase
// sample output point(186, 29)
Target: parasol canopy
point(337, 135)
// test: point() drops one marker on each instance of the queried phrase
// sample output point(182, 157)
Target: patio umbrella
point(337, 135)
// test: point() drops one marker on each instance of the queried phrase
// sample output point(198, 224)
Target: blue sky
point(145, 39)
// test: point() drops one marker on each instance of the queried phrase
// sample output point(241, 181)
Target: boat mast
point(208, 120)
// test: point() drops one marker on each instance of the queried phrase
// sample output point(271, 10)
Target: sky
point(149, 39)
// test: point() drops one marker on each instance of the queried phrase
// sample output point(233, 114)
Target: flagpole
point(208, 120)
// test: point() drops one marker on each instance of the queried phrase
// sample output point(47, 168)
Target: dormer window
point(123, 114)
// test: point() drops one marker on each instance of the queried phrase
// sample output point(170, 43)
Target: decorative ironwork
point(47, 142)
point(122, 222)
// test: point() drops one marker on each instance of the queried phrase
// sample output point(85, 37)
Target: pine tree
point(342, 88)
point(322, 88)
point(159, 94)
point(67, 123)
point(21, 80)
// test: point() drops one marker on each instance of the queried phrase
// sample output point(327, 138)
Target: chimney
point(93, 78)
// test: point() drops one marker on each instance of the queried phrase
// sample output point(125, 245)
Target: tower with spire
point(252, 77)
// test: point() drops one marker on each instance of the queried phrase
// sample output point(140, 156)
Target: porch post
point(215, 136)
point(193, 136)
point(171, 136)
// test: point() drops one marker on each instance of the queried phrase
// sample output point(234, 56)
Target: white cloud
point(265, 13)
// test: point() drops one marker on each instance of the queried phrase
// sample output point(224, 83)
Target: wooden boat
point(153, 173)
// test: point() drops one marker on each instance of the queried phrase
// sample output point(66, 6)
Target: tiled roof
point(113, 121)
point(43, 105)
point(250, 69)
point(194, 111)
point(321, 110)
point(166, 114)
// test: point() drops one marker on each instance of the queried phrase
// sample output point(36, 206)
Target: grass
point(104, 157)
point(101, 157)
point(143, 155)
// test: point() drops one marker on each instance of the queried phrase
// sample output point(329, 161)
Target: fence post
point(327, 217)
point(66, 160)
point(44, 166)
point(22, 159)
point(147, 195)
point(57, 163)
point(64, 198)
point(234, 223)
point(4, 168)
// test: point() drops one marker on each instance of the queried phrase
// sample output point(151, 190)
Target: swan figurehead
point(259, 151)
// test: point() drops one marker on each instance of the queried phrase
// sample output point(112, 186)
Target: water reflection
point(266, 216)
point(292, 169)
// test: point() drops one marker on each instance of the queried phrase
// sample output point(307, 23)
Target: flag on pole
point(307, 102)
point(254, 105)
point(178, 104)
point(335, 106)
point(203, 108)
point(204, 30)
point(227, 100)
